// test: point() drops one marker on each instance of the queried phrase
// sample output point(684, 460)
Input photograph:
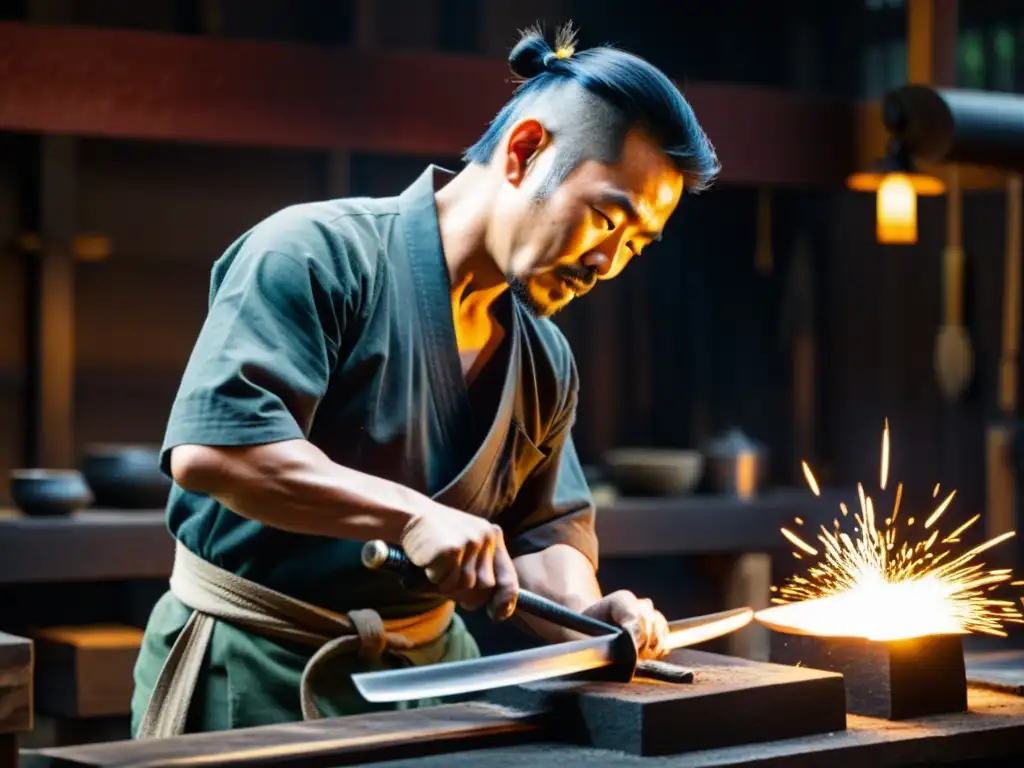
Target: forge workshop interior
point(794, 417)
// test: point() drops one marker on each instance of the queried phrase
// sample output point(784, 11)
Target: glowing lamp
point(896, 210)
point(897, 186)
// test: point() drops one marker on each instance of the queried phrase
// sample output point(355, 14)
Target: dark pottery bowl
point(654, 471)
point(49, 492)
point(126, 476)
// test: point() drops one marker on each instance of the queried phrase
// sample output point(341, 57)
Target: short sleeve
point(554, 505)
point(263, 357)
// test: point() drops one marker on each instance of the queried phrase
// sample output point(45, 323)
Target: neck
point(462, 214)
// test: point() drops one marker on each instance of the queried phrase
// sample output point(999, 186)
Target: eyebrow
point(625, 202)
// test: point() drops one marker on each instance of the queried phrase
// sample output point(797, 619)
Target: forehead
point(643, 171)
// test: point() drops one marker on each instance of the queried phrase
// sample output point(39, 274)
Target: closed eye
point(607, 219)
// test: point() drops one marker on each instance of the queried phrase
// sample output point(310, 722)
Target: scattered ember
point(880, 586)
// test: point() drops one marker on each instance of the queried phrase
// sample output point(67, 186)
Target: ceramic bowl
point(49, 492)
point(654, 471)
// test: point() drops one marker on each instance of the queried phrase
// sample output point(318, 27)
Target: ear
point(525, 140)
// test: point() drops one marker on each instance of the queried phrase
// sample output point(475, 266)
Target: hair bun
point(530, 56)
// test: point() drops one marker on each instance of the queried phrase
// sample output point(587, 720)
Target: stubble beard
point(521, 291)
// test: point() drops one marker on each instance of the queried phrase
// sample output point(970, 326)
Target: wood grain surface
point(16, 659)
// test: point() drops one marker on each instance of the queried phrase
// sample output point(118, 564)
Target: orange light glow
point(896, 194)
point(896, 210)
point(876, 586)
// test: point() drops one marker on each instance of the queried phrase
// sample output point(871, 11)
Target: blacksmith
point(387, 369)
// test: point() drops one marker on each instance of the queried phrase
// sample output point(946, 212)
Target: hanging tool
point(1001, 514)
point(954, 355)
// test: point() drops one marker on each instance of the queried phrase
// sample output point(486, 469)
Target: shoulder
point(344, 238)
point(339, 246)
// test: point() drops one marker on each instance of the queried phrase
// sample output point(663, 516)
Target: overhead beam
point(137, 85)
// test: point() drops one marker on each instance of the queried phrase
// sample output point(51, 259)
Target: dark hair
point(638, 93)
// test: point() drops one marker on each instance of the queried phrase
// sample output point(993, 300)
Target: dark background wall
point(688, 341)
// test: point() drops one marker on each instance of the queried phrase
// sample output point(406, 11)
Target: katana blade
point(686, 632)
point(543, 663)
point(487, 672)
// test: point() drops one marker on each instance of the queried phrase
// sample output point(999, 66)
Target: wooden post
point(407, 25)
point(365, 35)
point(339, 173)
point(51, 289)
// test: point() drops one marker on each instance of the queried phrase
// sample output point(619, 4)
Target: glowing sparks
point(877, 585)
point(796, 541)
point(939, 510)
point(810, 479)
point(885, 456)
point(955, 535)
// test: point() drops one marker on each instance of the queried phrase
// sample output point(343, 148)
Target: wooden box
point(86, 671)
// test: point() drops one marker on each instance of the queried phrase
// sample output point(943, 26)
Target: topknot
point(532, 55)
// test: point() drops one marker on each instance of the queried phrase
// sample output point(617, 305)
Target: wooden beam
point(137, 85)
point(932, 38)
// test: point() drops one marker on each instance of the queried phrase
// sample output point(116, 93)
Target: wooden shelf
point(109, 545)
point(703, 524)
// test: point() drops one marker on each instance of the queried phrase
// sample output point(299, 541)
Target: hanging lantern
point(897, 185)
point(896, 210)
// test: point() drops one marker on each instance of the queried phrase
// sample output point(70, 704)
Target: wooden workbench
point(480, 735)
point(991, 734)
point(16, 659)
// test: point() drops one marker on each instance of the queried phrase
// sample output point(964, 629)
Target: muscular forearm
point(563, 574)
point(294, 486)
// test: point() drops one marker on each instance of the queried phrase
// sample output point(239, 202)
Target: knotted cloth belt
point(213, 593)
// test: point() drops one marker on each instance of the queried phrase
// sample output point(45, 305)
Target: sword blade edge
point(485, 673)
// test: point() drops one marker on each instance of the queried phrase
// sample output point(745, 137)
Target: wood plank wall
point(171, 209)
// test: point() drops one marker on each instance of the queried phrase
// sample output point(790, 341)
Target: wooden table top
point(992, 729)
point(478, 735)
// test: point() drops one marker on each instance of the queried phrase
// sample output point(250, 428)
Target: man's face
point(589, 227)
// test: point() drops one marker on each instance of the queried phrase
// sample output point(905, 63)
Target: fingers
point(622, 607)
point(506, 581)
point(464, 558)
point(648, 626)
point(461, 576)
point(485, 580)
point(656, 647)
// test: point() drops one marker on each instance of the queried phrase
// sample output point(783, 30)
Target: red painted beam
point(129, 84)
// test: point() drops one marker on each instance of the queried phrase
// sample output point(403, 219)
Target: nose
point(598, 262)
